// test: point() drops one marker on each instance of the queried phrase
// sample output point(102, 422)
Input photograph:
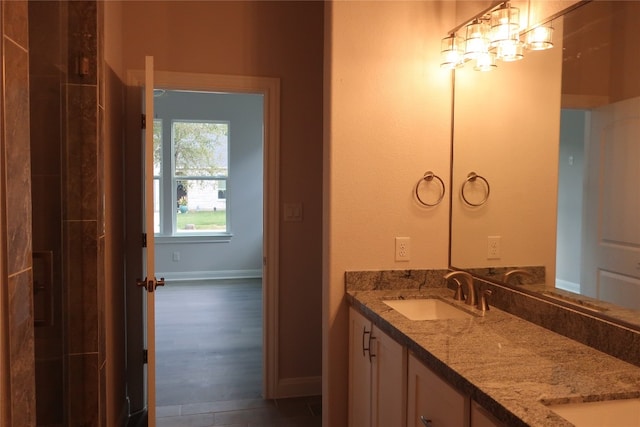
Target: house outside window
point(197, 184)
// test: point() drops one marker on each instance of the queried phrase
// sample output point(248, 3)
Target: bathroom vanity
point(483, 369)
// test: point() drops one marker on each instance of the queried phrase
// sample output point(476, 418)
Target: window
point(157, 171)
point(196, 187)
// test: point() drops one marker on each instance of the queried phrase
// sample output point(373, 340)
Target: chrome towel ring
point(472, 177)
point(428, 177)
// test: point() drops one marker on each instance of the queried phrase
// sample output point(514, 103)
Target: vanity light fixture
point(494, 34)
point(451, 52)
point(540, 37)
point(476, 42)
point(510, 51)
point(485, 61)
point(505, 33)
point(505, 24)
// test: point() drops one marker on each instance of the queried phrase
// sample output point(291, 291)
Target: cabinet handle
point(425, 421)
point(365, 332)
point(368, 348)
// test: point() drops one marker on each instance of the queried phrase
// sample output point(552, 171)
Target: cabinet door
point(388, 381)
point(481, 418)
point(434, 399)
point(359, 370)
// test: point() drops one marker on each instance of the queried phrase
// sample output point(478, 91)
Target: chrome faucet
point(461, 277)
point(483, 304)
point(516, 272)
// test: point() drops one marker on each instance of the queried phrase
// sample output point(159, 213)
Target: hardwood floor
point(209, 359)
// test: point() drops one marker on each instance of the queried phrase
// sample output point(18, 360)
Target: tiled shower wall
point(83, 221)
point(15, 233)
point(68, 219)
point(46, 78)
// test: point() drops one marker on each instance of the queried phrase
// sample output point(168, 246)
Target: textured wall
point(45, 79)
point(67, 111)
point(387, 122)
point(17, 311)
point(83, 219)
point(113, 125)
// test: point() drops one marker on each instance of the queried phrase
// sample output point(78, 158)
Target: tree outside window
point(200, 154)
point(199, 177)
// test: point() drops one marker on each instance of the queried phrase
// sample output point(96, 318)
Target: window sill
point(194, 238)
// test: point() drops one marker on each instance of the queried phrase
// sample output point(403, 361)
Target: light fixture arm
point(479, 15)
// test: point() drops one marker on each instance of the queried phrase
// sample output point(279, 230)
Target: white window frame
point(168, 191)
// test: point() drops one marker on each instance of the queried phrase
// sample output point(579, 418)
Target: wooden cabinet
point(431, 398)
point(480, 417)
point(388, 388)
point(359, 370)
point(388, 381)
point(377, 376)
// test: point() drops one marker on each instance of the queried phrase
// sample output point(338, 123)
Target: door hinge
point(143, 121)
point(145, 356)
point(144, 240)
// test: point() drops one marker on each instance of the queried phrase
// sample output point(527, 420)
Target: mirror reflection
point(557, 137)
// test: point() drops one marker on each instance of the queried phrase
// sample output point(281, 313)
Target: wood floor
point(209, 359)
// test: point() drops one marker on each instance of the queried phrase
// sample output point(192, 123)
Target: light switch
point(293, 212)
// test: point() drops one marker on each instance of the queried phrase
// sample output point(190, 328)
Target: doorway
point(208, 199)
point(268, 89)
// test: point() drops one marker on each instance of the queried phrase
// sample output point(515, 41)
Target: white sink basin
point(610, 413)
point(426, 309)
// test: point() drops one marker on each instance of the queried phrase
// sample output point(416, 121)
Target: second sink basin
point(426, 309)
point(610, 413)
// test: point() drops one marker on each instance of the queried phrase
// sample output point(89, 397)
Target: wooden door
point(611, 258)
point(149, 283)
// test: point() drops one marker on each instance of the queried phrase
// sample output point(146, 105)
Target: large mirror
point(554, 140)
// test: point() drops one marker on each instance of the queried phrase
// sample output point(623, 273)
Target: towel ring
point(428, 177)
point(472, 177)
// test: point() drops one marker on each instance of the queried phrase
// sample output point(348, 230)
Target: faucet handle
point(483, 304)
point(459, 295)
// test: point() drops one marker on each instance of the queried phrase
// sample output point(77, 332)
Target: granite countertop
point(508, 365)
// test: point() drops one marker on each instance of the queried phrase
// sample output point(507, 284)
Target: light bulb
point(540, 38)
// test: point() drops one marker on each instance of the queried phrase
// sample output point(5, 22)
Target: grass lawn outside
point(202, 220)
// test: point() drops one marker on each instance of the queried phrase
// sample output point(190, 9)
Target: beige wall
point(270, 39)
point(387, 122)
point(114, 245)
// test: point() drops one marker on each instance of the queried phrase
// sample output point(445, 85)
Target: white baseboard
point(176, 276)
point(568, 286)
point(298, 387)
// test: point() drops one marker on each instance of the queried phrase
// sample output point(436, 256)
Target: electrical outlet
point(493, 247)
point(176, 256)
point(403, 248)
